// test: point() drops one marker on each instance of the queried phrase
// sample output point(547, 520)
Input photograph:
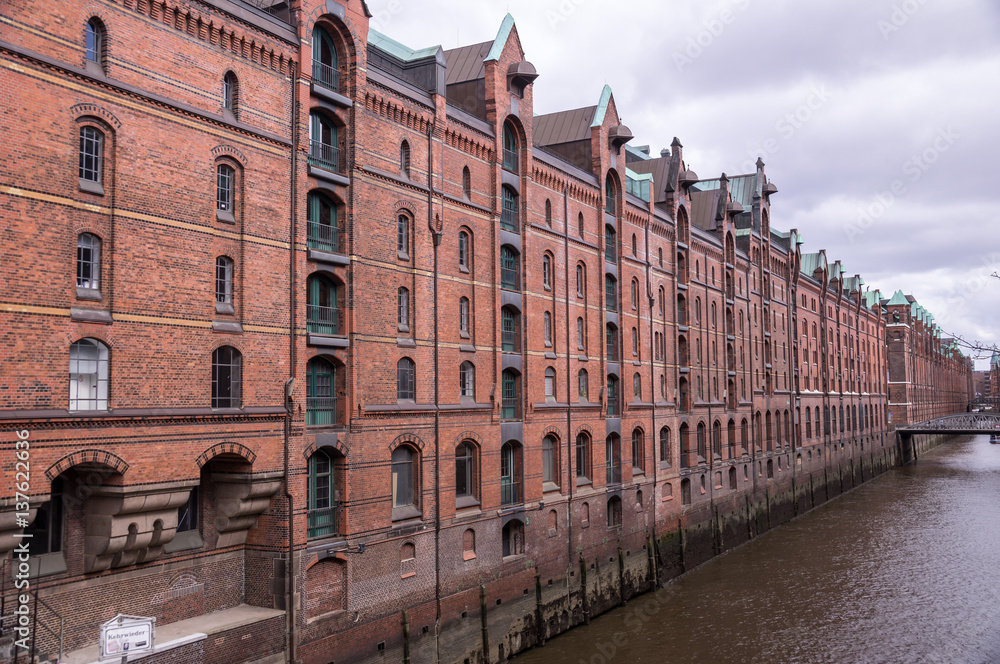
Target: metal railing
point(326, 76)
point(323, 521)
point(612, 405)
point(324, 155)
point(510, 408)
point(610, 204)
point(613, 474)
point(323, 236)
point(510, 160)
point(322, 320)
point(511, 342)
point(508, 217)
point(508, 278)
point(321, 410)
point(510, 492)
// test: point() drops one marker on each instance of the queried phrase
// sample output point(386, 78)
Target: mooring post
point(406, 638)
point(484, 622)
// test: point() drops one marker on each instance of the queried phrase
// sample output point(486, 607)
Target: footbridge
point(962, 423)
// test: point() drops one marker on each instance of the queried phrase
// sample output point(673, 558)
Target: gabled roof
point(705, 208)
point(496, 48)
point(741, 188)
point(812, 262)
point(602, 106)
point(897, 298)
point(465, 63)
point(564, 126)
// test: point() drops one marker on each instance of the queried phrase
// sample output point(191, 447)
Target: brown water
point(905, 568)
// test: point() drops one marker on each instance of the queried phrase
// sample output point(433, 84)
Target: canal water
point(905, 568)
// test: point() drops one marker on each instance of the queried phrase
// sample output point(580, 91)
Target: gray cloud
point(844, 101)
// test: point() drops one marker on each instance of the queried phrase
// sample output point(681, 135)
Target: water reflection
point(903, 569)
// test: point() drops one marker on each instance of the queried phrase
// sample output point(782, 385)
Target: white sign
point(127, 635)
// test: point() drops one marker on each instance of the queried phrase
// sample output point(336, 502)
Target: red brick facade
point(409, 352)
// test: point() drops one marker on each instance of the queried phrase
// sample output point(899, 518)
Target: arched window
point(614, 512)
point(550, 460)
point(510, 330)
point(509, 212)
point(579, 223)
point(511, 155)
point(404, 159)
point(463, 316)
point(548, 328)
point(547, 271)
point(325, 68)
point(582, 385)
point(403, 309)
point(634, 245)
point(324, 149)
point(463, 251)
point(510, 272)
point(91, 155)
point(665, 444)
point(322, 306)
point(510, 474)
point(582, 456)
point(659, 256)
point(466, 475)
point(613, 410)
point(227, 371)
point(511, 395)
point(635, 294)
point(322, 227)
point(88, 261)
point(662, 300)
point(88, 375)
point(610, 196)
point(702, 442)
point(403, 236)
point(406, 377)
point(225, 191)
point(717, 440)
point(638, 451)
point(636, 387)
point(95, 36)
point(467, 183)
point(613, 459)
point(610, 244)
point(550, 383)
point(513, 538)
point(610, 292)
point(744, 435)
point(231, 93)
point(581, 280)
point(224, 280)
point(611, 342)
point(321, 398)
point(548, 213)
point(404, 478)
point(467, 379)
point(581, 335)
point(635, 342)
point(321, 517)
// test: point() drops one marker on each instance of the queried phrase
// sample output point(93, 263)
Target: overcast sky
point(877, 119)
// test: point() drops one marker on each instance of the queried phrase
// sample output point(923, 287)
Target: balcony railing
point(323, 236)
point(326, 76)
point(508, 278)
point(511, 341)
point(508, 217)
point(321, 410)
point(322, 320)
point(324, 155)
point(510, 492)
point(613, 474)
point(510, 409)
point(510, 160)
point(323, 521)
point(612, 405)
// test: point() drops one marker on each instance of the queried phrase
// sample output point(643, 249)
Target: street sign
point(123, 636)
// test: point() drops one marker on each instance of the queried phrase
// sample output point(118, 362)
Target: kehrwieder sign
point(123, 636)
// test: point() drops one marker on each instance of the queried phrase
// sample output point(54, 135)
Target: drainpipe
point(436, 236)
point(653, 433)
point(289, 404)
point(570, 441)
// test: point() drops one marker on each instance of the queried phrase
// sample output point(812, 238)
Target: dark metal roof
point(465, 63)
point(705, 208)
point(660, 168)
point(564, 126)
point(741, 188)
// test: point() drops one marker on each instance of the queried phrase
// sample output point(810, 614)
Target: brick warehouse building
point(308, 413)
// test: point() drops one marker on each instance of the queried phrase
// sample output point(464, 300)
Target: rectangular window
point(91, 154)
point(225, 177)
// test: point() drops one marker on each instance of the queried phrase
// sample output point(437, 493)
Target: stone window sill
point(184, 541)
point(225, 217)
point(91, 187)
point(92, 294)
point(224, 308)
